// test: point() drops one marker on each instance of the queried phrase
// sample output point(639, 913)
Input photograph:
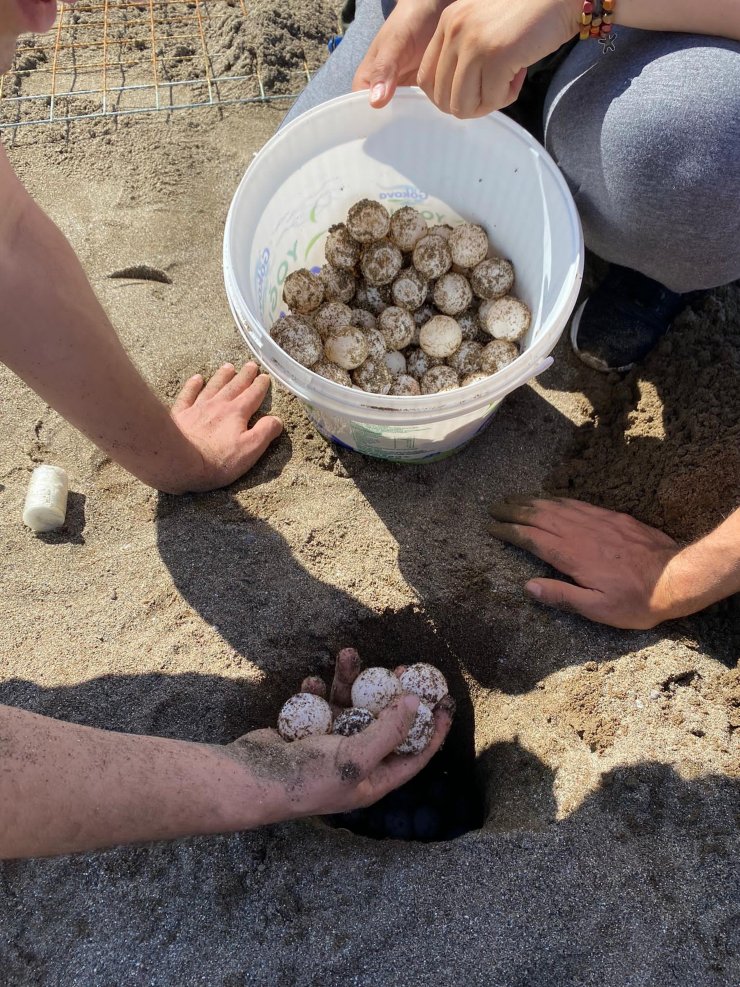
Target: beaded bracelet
point(596, 21)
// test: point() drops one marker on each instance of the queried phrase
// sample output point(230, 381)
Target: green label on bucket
point(388, 442)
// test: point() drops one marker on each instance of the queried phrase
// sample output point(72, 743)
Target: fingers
point(254, 394)
point(367, 749)
point(428, 68)
point(315, 685)
point(379, 70)
point(243, 380)
point(346, 670)
point(188, 394)
point(466, 94)
point(543, 544)
point(565, 596)
point(400, 768)
point(399, 670)
point(222, 376)
point(258, 438)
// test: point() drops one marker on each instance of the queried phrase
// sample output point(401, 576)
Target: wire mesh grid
point(116, 57)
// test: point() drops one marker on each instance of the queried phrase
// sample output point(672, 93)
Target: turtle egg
point(405, 386)
point(452, 293)
point(408, 226)
point(381, 262)
point(351, 721)
point(304, 715)
point(396, 363)
point(346, 346)
point(432, 257)
point(339, 285)
point(374, 688)
point(299, 339)
point(397, 326)
point(497, 354)
point(426, 682)
point(373, 376)
point(443, 230)
point(409, 289)
point(505, 318)
point(440, 337)
point(324, 368)
point(341, 249)
point(475, 378)
point(492, 278)
point(368, 220)
point(421, 732)
point(469, 324)
point(418, 362)
point(363, 319)
point(303, 291)
point(439, 379)
point(331, 316)
point(466, 358)
point(376, 348)
point(468, 244)
point(372, 297)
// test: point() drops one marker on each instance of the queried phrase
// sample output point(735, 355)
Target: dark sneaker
point(623, 320)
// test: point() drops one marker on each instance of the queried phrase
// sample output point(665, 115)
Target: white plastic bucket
point(489, 171)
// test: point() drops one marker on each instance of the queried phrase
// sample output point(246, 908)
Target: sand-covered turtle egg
point(381, 261)
point(346, 346)
point(466, 358)
point(408, 226)
point(441, 229)
point(331, 316)
point(332, 372)
point(426, 682)
point(475, 378)
point(339, 285)
point(409, 289)
point(396, 363)
point(303, 291)
point(299, 339)
point(373, 376)
point(372, 297)
point(505, 318)
point(363, 319)
point(452, 293)
point(469, 324)
point(492, 278)
point(304, 715)
point(497, 354)
point(351, 721)
point(376, 348)
point(468, 244)
point(397, 326)
point(439, 379)
point(421, 732)
point(341, 249)
point(440, 337)
point(374, 688)
point(405, 386)
point(425, 313)
point(432, 257)
point(418, 362)
point(368, 220)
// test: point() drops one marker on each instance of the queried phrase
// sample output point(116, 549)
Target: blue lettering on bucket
point(408, 193)
point(260, 275)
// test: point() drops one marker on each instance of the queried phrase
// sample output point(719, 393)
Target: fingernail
point(534, 589)
point(378, 92)
point(448, 704)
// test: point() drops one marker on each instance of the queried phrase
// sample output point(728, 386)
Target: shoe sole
point(593, 362)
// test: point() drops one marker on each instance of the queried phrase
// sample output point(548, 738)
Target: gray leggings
point(647, 136)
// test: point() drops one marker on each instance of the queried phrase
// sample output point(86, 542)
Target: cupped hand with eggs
point(332, 773)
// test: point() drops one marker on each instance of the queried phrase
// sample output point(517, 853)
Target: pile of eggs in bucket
point(402, 308)
point(307, 715)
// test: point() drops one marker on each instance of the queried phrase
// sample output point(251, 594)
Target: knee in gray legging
point(648, 137)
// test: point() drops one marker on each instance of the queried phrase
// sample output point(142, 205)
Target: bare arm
point(624, 573)
point(55, 335)
point(66, 788)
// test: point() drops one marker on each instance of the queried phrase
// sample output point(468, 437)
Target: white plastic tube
point(46, 501)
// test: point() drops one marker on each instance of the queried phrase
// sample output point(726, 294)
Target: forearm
point(711, 17)
point(56, 337)
point(705, 572)
point(66, 788)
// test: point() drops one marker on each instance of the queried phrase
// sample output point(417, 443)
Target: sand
point(608, 760)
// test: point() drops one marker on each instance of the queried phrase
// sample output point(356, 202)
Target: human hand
point(477, 59)
point(394, 57)
point(214, 418)
point(330, 774)
point(624, 571)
